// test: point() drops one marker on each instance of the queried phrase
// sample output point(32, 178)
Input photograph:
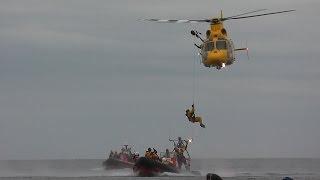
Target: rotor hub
point(215, 21)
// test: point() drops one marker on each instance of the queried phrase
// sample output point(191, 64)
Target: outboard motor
point(211, 176)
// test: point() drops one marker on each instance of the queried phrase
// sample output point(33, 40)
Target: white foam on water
point(184, 174)
point(97, 169)
point(119, 172)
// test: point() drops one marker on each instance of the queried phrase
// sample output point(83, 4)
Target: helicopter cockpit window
point(221, 45)
point(209, 46)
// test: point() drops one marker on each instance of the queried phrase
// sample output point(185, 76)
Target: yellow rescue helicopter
point(217, 49)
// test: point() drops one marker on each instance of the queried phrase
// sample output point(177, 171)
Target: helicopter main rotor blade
point(178, 20)
point(265, 14)
point(221, 19)
point(250, 12)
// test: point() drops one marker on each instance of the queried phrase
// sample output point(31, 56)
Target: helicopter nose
point(217, 56)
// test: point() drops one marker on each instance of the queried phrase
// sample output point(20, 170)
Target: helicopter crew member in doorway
point(193, 118)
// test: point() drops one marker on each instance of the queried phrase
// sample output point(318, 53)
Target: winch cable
point(194, 79)
point(195, 90)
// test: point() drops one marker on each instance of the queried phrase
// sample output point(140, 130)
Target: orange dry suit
point(154, 156)
point(148, 154)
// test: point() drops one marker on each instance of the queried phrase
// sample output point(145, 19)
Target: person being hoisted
point(192, 117)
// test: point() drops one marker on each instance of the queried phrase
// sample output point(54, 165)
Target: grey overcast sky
point(79, 78)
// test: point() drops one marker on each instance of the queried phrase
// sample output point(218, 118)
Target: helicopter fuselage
point(217, 50)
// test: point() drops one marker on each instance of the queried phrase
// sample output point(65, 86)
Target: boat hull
point(148, 167)
point(113, 163)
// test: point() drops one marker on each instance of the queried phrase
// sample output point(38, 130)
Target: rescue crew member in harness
point(181, 159)
point(193, 118)
point(179, 148)
point(182, 143)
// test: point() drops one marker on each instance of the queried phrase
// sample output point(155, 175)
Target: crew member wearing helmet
point(148, 153)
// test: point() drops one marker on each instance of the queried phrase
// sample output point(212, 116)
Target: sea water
point(242, 169)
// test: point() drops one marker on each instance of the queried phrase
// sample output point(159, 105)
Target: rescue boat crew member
point(154, 155)
point(148, 154)
point(181, 159)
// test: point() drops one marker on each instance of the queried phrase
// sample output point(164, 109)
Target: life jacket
point(154, 156)
point(190, 115)
point(148, 154)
